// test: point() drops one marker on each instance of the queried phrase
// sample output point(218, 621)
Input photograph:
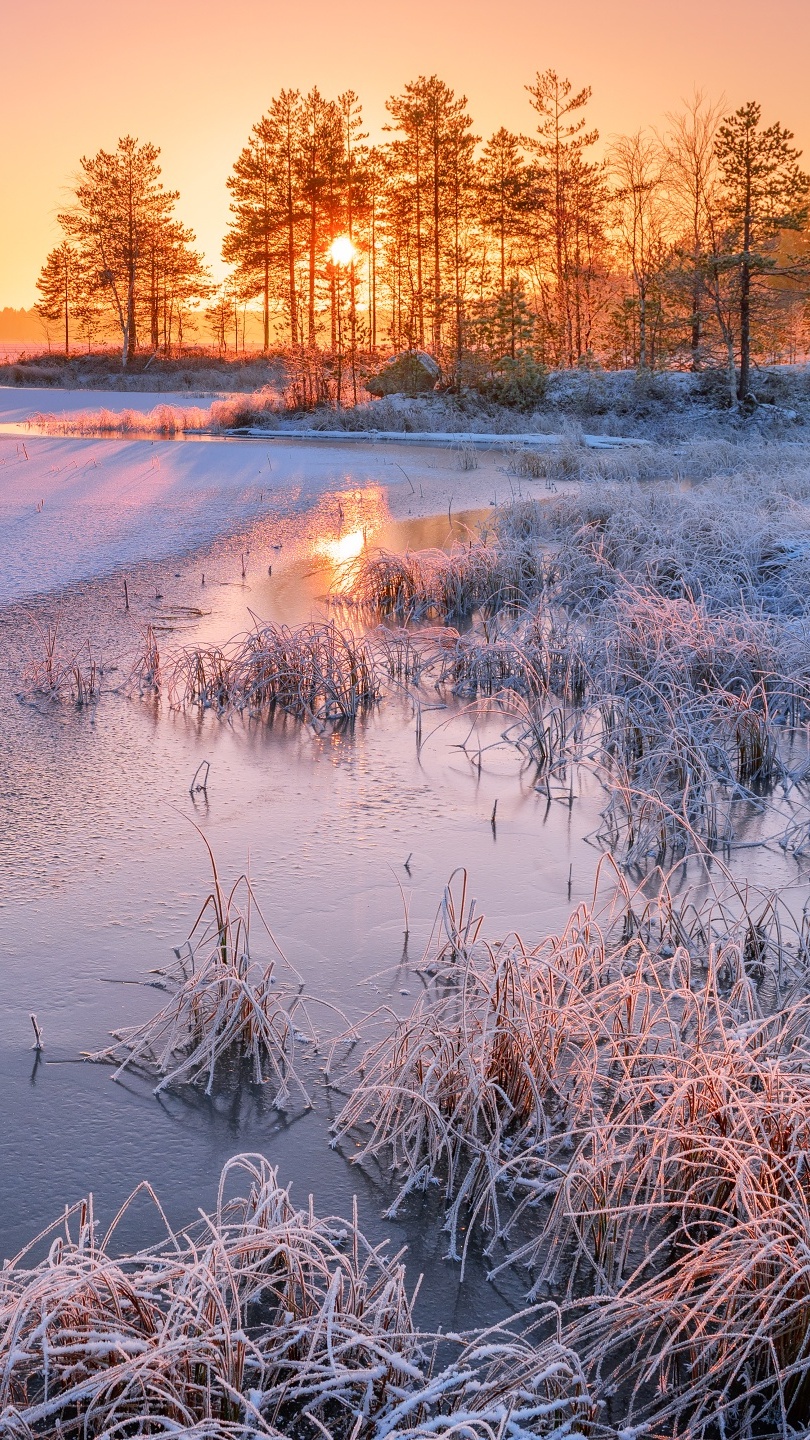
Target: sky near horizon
point(193, 77)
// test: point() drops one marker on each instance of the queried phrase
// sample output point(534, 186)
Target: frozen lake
point(101, 873)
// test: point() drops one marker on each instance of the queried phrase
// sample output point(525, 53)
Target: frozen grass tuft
point(617, 1110)
point(658, 635)
point(321, 673)
point(54, 674)
point(168, 421)
point(225, 1011)
point(442, 585)
point(260, 1319)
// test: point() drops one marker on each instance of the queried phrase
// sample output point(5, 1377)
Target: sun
point(342, 251)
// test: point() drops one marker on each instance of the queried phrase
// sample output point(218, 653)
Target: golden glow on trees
point(500, 257)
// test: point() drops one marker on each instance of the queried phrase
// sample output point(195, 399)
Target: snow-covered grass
point(666, 407)
point(164, 420)
point(622, 1108)
point(260, 1319)
point(660, 634)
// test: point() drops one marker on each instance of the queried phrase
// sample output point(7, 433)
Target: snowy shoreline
point(456, 439)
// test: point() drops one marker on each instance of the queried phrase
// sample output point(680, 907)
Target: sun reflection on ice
point(347, 547)
point(349, 521)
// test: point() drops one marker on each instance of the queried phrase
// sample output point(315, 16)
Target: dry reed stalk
point(75, 677)
point(146, 670)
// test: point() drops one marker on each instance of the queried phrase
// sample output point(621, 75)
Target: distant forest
point(24, 326)
point(502, 258)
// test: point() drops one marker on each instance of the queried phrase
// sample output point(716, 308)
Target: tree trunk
point(129, 327)
point(266, 300)
point(420, 300)
point(745, 290)
point(312, 249)
point(153, 301)
point(437, 282)
point(373, 274)
point(745, 329)
point(696, 335)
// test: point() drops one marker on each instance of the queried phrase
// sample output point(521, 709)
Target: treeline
point(499, 257)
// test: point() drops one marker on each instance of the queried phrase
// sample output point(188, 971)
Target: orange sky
point(193, 77)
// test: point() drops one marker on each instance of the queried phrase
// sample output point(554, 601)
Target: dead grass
point(659, 635)
point(618, 1098)
point(443, 585)
point(53, 673)
point(320, 673)
point(260, 1319)
point(226, 1010)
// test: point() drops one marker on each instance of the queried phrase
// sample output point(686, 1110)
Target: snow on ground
point(72, 508)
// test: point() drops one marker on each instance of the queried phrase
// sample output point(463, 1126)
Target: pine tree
point(317, 166)
point(502, 195)
point(765, 195)
point(178, 280)
point(356, 203)
point(58, 285)
point(262, 239)
point(434, 144)
point(119, 204)
point(560, 181)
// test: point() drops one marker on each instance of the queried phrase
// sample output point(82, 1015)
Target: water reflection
point(346, 548)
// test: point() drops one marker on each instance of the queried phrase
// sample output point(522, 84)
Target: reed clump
point(226, 1012)
point(508, 1047)
point(444, 585)
point(479, 663)
point(229, 412)
point(623, 1109)
point(659, 635)
point(260, 1319)
point(691, 1204)
point(53, 673)
point(320, 673)
point(146, 673)
point(165, 421)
